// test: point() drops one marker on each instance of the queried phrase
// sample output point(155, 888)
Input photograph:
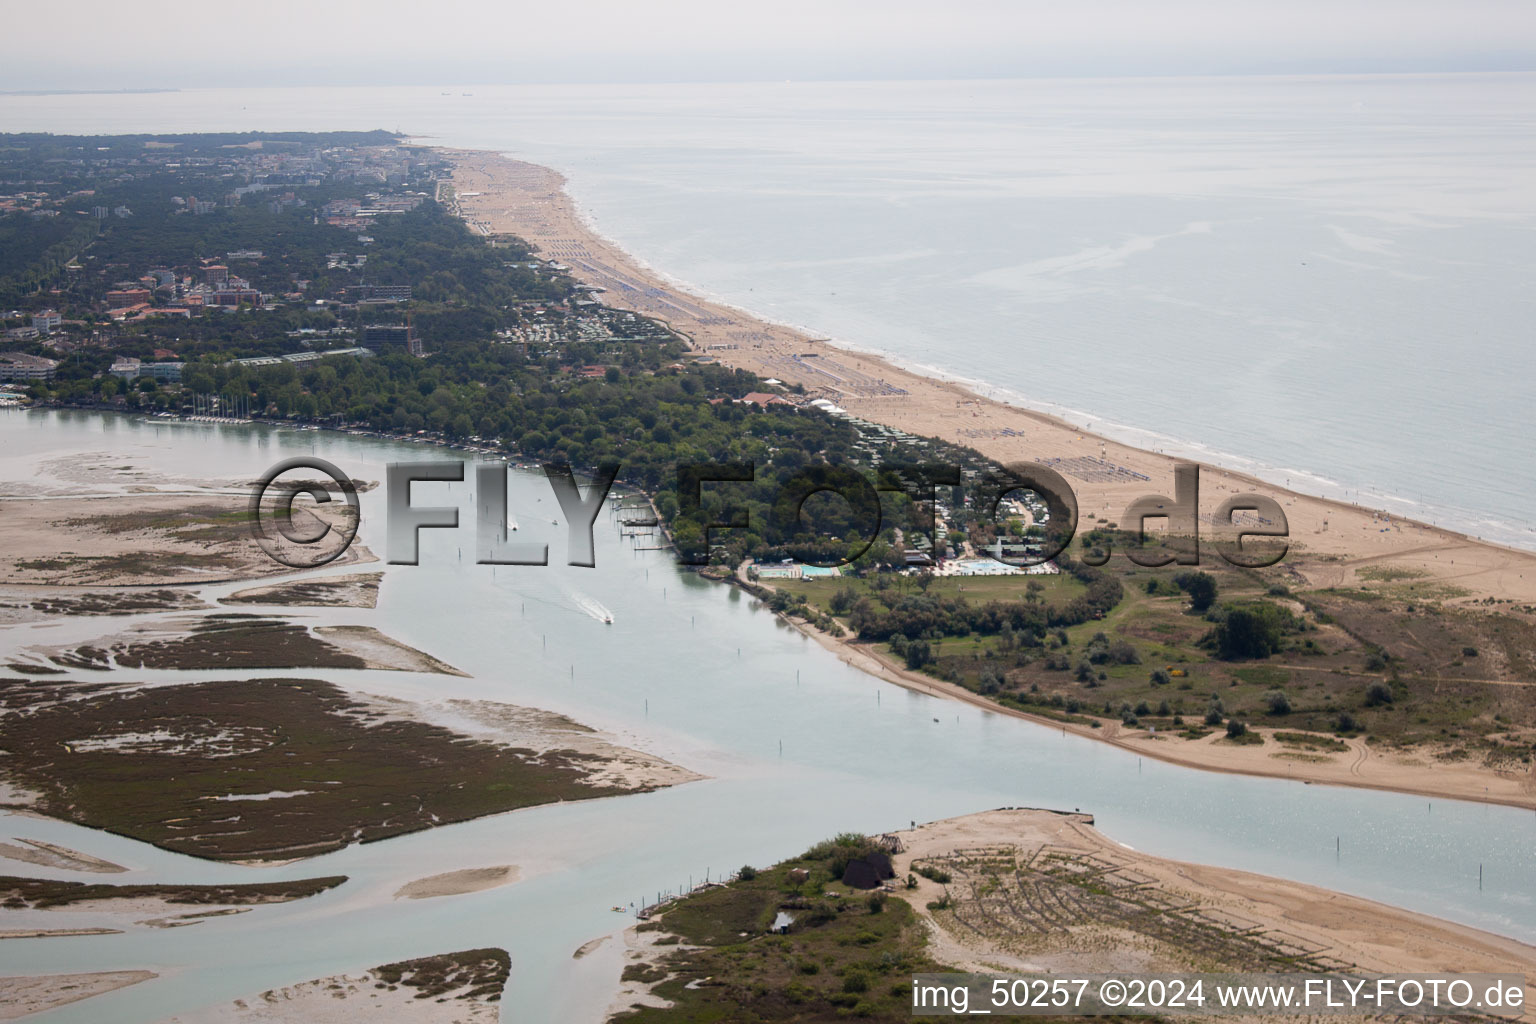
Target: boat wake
point(592, 608)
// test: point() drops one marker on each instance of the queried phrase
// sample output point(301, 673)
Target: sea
point(1320, 280)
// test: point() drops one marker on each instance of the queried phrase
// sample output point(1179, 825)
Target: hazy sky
point(97, 44)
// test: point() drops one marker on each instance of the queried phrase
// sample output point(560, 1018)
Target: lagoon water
point(701, 675)
point(1323, 280)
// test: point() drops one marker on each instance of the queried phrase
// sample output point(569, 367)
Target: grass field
point(1387, 658)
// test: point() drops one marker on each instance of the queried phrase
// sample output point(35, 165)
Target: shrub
point(1122, 653)
point(1346, 723)
point(1279, 703)
point(836, 852)
point(1236, 729)
point(747, 873)
point(1213, 715)
point(1378, 694)
point(933, 874)
point(876, 902)
point(1160, 677)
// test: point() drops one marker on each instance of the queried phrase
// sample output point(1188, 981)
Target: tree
point(1248, 632)
point(1201, 588)
point(1279, 703)
point(1236, 729)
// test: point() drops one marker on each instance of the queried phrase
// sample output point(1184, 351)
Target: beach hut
point(868, 871)
point(861, 874)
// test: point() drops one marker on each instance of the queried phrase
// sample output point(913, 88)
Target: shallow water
point(703, 676)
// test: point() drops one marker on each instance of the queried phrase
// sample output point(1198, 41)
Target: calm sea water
point(1322, 280)
point(797, 746)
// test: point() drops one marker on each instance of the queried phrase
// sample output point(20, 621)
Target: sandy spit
point(456, 883)
point(21, 996)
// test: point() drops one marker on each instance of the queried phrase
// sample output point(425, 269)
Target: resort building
point(18, 366)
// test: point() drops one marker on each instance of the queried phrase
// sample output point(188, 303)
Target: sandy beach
point(1330, 540)
point(1354, 933)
